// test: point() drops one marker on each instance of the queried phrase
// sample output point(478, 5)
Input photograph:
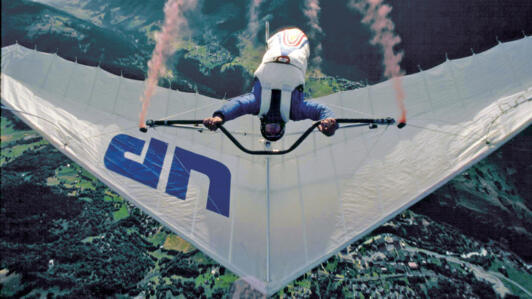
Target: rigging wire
point(410, 124)
point(31, 114)
point(203, 129)
point(349, 109)
point(188, 111)
point(61, 129)
point(504, 110)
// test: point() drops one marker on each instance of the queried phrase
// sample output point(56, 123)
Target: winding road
point(490, 276)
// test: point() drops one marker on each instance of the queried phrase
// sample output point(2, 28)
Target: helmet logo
point(293, 38)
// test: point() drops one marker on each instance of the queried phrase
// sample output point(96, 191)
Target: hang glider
point(271, 218)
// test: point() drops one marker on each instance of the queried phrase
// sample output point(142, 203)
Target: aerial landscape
point(64, 233)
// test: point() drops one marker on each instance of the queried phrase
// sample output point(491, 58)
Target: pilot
point(277, 94)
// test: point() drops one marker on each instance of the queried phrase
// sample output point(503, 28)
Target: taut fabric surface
point(271, 219)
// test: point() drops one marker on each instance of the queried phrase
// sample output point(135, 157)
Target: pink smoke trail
point(376, 16)
point(312, 11)
point(173, 23)
point(253, 26)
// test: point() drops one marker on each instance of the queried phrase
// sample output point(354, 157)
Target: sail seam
point(301, 202)
point(49, 68)
point(117, 94)
point(268, 219)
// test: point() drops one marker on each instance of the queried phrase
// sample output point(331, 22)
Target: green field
point(122, 213)
point(522, 278)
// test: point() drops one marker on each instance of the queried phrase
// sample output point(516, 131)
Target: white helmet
point(288, 46)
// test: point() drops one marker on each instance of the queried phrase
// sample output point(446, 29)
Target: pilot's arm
point(315, 111)
point(235, 107)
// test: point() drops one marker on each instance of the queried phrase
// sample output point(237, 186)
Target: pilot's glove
point(212, 123)
point(328, 126)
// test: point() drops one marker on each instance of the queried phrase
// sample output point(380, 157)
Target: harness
point(282, 77)
point(283, 68)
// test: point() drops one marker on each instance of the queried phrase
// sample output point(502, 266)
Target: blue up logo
point(149, 172)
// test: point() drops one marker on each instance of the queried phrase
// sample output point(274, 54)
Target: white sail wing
point(271, 219)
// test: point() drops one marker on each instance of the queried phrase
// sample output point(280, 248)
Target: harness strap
point(282, 77)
